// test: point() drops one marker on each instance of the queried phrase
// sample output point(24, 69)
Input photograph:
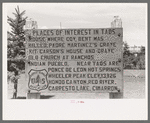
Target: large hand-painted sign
point(75, 60)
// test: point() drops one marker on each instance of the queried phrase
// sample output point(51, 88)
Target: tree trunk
point(15, 89)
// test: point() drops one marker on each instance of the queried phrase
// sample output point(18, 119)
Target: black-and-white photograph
point(75, 51)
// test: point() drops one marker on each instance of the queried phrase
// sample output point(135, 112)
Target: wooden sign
point(74, 60)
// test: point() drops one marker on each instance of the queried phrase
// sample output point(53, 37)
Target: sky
point(88, 15)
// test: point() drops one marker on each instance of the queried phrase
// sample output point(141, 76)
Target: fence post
point(116, 95)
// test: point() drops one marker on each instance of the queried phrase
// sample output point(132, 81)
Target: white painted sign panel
point(74, 60)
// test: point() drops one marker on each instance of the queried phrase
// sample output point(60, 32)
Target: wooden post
point(32, 95)
point(116, 95)
point(119, 94)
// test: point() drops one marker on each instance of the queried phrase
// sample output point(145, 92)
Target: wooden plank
point(116, 95)
point(33, 95)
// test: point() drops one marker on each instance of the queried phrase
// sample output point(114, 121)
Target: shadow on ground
point(46, 96)
point(20, 98)
point(41, 97)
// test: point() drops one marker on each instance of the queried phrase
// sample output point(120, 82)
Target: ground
point(134, 88)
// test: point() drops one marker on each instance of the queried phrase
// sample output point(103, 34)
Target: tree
point(16, 46)
point(141, 56)
point(126, 54)
point(142, 51)
point(126, 51)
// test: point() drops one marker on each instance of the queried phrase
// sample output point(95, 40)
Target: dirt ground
point(134, 88)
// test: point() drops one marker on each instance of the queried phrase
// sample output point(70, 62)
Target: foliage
point(16, 47)
point(11, 77)
point(126, 50)
point(132, 61)
point(142, 51)
point(126, 54)
point(141, 55)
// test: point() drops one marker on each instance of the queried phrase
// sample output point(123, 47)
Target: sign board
point(74, 60)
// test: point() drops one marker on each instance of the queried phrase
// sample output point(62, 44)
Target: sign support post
point(119, 94)
point(30, 25)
